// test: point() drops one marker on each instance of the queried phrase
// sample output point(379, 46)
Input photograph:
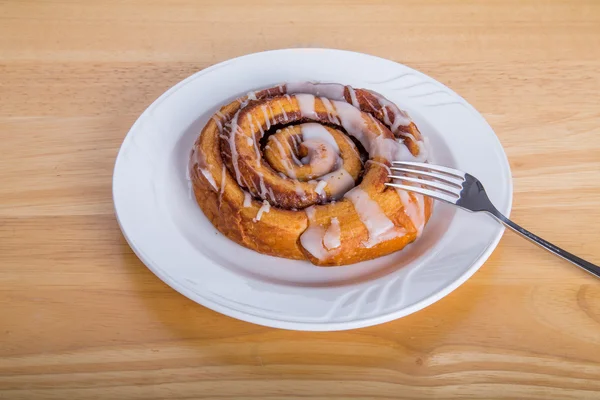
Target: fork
point(465, 191)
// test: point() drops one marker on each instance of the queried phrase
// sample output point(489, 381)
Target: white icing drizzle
point(265, 208)
point(379, 226)
point(296, 141)
point(370, 103)
point(338, 182)
point(333, 91)
point(218, 122)
point(421, 204)
point(222, 185)
point(286, 163)
point(414, 210)
point(330, 110)
point(411, 137)
point(319, 188)
point(218, 118)
point(402, 153)
point(247, 199)
point(253, 185)
point(353, 122)
point(336, 92)
point(253, 142)
point(292, 152)
point(312, 238)
point(399, 121)
point(331, 239)
point(321, 157)
point(283, 110)
point(267, 120)
point(376, 124)
point(386, 117)
point(209, 177)
point(272, 195)
point(313, 130)
point(261, 130)
point(400, 117)
point(377, 145)
point(306, 103)
point(245, 182)
point(263, 188)
point(197, 161)
point(352, 92)
point(251, 96)
point(299, 191)
point(232, 146)
point(273, 120)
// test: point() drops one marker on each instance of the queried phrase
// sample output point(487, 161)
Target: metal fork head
point(441, 183)
point(465, 191)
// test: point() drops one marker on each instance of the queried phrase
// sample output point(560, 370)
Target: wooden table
point(82, 318)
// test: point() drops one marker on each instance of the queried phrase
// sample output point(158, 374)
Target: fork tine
point(430, 184)
point(431, 167)
point(441, 177)
point(426, 192)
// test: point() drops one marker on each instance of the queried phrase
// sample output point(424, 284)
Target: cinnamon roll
point(298, 171)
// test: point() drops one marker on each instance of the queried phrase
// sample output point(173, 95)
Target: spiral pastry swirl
point(298, 171)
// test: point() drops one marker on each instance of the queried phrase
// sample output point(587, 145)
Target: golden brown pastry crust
point(249, 178)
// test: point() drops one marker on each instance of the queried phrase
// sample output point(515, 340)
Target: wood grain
point(81, 317)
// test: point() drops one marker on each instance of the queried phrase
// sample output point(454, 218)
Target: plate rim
point(282, 323)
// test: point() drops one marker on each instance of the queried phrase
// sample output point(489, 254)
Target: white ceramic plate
point(171, 235)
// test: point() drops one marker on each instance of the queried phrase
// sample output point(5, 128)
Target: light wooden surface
point(82, 318)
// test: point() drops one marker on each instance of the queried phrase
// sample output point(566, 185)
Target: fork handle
point(580, 262)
